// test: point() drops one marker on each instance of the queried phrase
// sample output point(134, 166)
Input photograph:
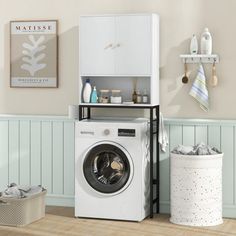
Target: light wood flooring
point(60, 221)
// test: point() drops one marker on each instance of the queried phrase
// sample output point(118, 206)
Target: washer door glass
point(106, 168)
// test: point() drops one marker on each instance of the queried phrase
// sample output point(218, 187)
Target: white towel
point(163, 138)
point(199, 89)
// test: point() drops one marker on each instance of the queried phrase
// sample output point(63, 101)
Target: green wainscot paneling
point(39, 150)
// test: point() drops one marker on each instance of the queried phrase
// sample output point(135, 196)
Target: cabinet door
point(96, 41)
point(134, 43)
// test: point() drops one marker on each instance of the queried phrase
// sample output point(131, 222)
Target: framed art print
point(33, 54)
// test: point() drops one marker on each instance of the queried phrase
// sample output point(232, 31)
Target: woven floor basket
point(21, 212)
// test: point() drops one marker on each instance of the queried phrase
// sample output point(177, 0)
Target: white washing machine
point(112, 169)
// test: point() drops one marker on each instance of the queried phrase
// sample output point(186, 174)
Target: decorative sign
point(34, 54)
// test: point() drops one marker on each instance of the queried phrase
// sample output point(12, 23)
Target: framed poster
point(34, 54)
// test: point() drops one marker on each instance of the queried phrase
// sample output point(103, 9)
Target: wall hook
point(209, 59)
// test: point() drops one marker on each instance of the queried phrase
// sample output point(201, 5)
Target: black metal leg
point(84, 112)
point(151, 162)
point(80, 113)
point(83, 109)
point(157, 162)
point(88, 113)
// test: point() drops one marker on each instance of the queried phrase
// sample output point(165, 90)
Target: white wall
point(179, 20)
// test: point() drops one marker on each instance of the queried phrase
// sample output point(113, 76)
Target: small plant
point(31, 58)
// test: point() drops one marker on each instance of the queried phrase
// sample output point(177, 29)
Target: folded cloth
point(33, 190)
point(17, 191)
point(163, 138)
point(183, 150)
point(12, 191)
point(199, 149)
point(199, 89)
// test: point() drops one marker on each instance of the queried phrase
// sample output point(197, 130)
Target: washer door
point(107, 168)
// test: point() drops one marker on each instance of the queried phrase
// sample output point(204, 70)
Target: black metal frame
point(154, 130)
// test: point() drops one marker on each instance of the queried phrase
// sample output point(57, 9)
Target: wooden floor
point(60, 221)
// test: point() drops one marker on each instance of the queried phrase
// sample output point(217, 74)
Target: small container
point(145, 97)
point(87, 91)
point(139, 97)
point(94, 96)
point(194, 45)
point(104, 96)
point(206, 42)
point(116, 97)
point(134, 97)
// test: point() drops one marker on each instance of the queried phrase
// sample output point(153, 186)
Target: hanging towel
point(163, 138)
point(199, 89)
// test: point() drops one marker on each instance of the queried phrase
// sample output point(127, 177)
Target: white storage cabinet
point(115, 51)
point(196, 190)
point(116, 45)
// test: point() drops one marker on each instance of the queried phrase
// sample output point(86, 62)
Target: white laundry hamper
point(196, 189)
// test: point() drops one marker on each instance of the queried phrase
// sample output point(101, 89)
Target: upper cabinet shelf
point(189, 58)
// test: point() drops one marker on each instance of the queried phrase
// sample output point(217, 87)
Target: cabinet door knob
point(116, 46)
point(109, 46)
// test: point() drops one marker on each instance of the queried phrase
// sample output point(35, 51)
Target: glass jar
point(116, 96)
point(139, 97)
point(134, 97)
point(104, 96)
point(145, 97)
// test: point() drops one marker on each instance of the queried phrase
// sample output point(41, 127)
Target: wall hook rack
point(208, 59)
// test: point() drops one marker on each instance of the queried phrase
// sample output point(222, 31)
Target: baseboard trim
point(228, 210)
point(68, 201)
point(60, 200)
point(165, 207)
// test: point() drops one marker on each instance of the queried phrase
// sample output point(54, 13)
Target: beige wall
point(179, 20)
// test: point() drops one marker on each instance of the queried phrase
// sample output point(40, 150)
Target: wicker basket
point(21, 212)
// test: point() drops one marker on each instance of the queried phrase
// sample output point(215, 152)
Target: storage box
point(20, 212)
point(196, 189)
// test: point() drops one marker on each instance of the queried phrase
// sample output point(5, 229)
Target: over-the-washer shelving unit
point(85, 113)
point(196, 58)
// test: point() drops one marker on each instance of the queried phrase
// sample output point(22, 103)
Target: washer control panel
point(110, 130)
